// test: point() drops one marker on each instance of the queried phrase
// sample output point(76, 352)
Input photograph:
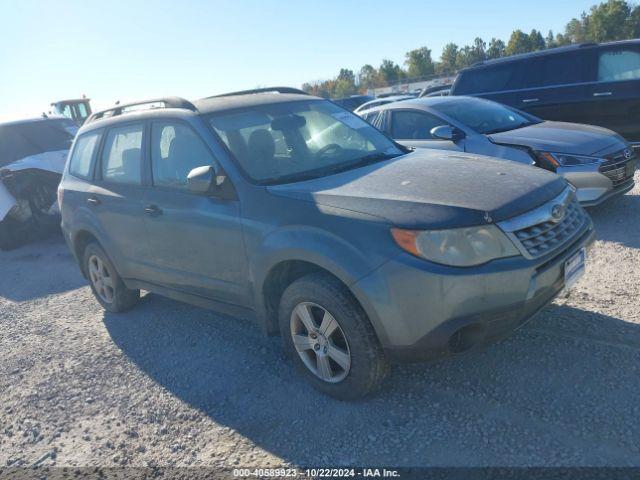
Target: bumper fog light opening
point(466, 338)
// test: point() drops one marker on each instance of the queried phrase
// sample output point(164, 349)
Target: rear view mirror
point(447, 132)
point(204, 179)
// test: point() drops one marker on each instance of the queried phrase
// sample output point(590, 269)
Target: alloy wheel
point(320, 342)
point(101, 279)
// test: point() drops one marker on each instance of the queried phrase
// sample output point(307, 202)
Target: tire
point(318, 294)
point(40, 206)
point(11, 234)
point(113, 295)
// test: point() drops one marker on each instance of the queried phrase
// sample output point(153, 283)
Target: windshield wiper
point(333, 169)
point(374, 157)
point(360, 162)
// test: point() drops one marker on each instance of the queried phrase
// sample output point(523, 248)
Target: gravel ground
point(173, 385)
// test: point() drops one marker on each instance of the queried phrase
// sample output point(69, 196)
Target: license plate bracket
point(574, 267)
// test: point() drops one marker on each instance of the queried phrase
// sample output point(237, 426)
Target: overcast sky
point(129, 50)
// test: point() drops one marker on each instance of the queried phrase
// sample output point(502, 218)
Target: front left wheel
point(106, 284)
point(330, 339)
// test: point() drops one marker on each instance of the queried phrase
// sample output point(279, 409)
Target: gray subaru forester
point(286, 208)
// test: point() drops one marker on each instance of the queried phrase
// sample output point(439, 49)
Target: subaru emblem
point(628, 153)
point(557, 212)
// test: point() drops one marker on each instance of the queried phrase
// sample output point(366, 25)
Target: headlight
point(458, 247)
point(566, 159)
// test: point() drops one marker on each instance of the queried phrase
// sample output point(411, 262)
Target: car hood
point(48, 161)
point(561, 137)
point(433, 189)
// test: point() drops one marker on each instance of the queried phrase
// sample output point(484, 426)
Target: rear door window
point(618, 65)
point(81, 162)
point(122, 155)
point(413, 125)
point(496, 78)
point(561, 69)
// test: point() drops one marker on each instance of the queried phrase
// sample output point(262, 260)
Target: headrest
point(131, 156)
point(180, 146)
point(261, 143)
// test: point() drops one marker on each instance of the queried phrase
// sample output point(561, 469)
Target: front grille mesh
point(618, 168)
point(549, 235)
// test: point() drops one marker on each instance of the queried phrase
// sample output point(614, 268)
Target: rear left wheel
point(106, 284)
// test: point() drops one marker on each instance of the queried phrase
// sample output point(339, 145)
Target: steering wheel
point(328, 148)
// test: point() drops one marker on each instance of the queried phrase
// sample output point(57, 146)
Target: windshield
point(20, 140)
point(484, 116)
point(285, 142)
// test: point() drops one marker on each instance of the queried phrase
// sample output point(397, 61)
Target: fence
point(412, 85)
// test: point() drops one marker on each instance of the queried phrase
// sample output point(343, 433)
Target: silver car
point(381, 101)
point(597, 161)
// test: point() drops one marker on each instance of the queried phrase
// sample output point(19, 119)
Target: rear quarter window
point(81, 161)
point(619, 65)
point(122, 155)
point(370, 117)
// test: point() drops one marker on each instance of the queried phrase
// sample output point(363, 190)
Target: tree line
point(607, 21)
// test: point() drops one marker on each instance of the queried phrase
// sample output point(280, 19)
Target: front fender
point(319, 247)
point(515, 153)
point(311, 245)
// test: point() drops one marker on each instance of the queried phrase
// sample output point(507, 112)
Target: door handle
point(93, 201)
point(153, 210)
point(530, 100)
point(602, 94)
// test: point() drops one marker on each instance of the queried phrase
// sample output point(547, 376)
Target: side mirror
point(202, 180)
point(447, 132)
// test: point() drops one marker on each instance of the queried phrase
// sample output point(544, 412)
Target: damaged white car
point(32, 157)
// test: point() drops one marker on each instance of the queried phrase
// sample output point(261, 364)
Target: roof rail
point(262, 90)
point(168, 102)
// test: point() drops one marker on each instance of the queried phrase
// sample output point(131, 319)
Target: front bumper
point(593, 186)
point(421, 310)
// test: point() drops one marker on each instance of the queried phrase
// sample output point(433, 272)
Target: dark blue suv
point(289, 209)
point(596, 84)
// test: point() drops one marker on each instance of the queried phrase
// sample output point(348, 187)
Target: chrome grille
point(545, 237)
point(619, 172)
point(619, 168)
point(546, 228)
